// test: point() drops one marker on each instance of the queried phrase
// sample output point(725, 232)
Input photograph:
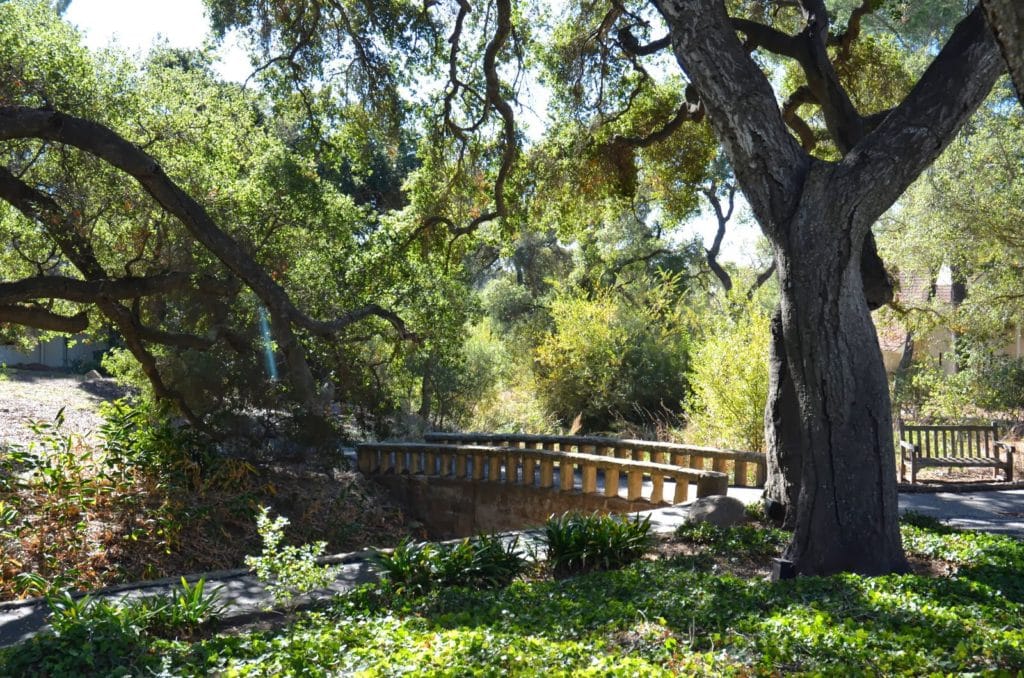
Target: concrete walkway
point(999, 511)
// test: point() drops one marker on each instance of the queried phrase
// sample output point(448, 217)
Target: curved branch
point(802, 95)
point(913, 135)
point(91, 291)
point(502, 31)
point(766, 37)
point(330, 328)
point(722, 216)
point(42, 319)
point(631, 46)
point(104, 143)
point(1006, 17)
point(762, 277)
point(841, 117)
point(741, 106)
point(686, 112)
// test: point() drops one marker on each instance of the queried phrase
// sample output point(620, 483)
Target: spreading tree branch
point(104, 143)
point(40, 318)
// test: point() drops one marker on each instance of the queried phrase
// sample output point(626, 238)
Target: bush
point(486, 561)
point(609, 357)
point(990, 384)
point(97, 637)
point(287, 571)
point(580, 543)
point(729, 378)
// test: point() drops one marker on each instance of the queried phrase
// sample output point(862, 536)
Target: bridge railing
point(735, 463)
point(534, 467)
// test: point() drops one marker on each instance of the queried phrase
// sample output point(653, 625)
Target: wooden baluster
point(589, 470)
point(720, 464)
point(741, 474)
point(658, 487)
point(696, 461)
point(399, 461)
point(446, 464)
point(431, 468)
point(657, 479)
point(682, 492)
point(547, 474)
point(530, 467)
point(460, 465)
point(589, 477)
point(478, 466)
point(363, 460)
point(634, 484)
point(611, 481)
point(566, 473)
point(512, 466)
point(762, 474)
point(494, 467)
point(415, 461)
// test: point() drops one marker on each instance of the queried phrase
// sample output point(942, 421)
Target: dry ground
point(27, 394)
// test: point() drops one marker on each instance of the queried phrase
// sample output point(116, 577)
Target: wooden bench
point(947, 445)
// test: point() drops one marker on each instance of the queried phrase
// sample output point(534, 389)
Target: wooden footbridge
point(551, 474)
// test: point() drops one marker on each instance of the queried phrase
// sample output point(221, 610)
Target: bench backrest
point(948, 440)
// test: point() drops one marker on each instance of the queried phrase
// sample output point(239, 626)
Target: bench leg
point(913, 472)
point(903, 469)
point(1009, 466)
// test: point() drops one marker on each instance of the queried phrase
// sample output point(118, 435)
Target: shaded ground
point(72, 520)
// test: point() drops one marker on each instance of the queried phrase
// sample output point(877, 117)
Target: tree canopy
point(377, 165)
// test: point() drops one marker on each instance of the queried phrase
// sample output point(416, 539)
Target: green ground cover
point(686, 613)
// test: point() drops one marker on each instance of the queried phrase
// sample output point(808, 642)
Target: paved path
point(999, 511)
point(995, 511)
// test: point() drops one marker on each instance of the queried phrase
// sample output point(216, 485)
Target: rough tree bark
point(1007, 20)
point(817, 215)
point(782, 420)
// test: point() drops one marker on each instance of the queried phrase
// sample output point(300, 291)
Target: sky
point(134, 25)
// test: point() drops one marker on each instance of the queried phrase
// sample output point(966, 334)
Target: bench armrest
point(907, 449)
point(1008, 448)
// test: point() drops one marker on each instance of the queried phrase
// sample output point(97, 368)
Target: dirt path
point(26, 395)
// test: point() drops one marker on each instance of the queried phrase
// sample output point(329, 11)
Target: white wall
point(61, 353)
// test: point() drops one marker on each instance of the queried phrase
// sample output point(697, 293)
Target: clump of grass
point(579, 543)
point(487, 561)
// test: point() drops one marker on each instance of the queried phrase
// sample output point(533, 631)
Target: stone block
point(717, 510)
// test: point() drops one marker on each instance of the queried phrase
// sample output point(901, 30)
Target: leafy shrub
point(287, 571)
point(486, 561)
point(988, 383)
point(729, 378)
point(97, 637)
point(184, 610)
point(578, 543)
point(410, 566)
point(740, 541)
point(609, 357)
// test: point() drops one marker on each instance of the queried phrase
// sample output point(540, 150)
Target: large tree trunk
point(782, 414)
point(783, 438)
point(846, 517)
